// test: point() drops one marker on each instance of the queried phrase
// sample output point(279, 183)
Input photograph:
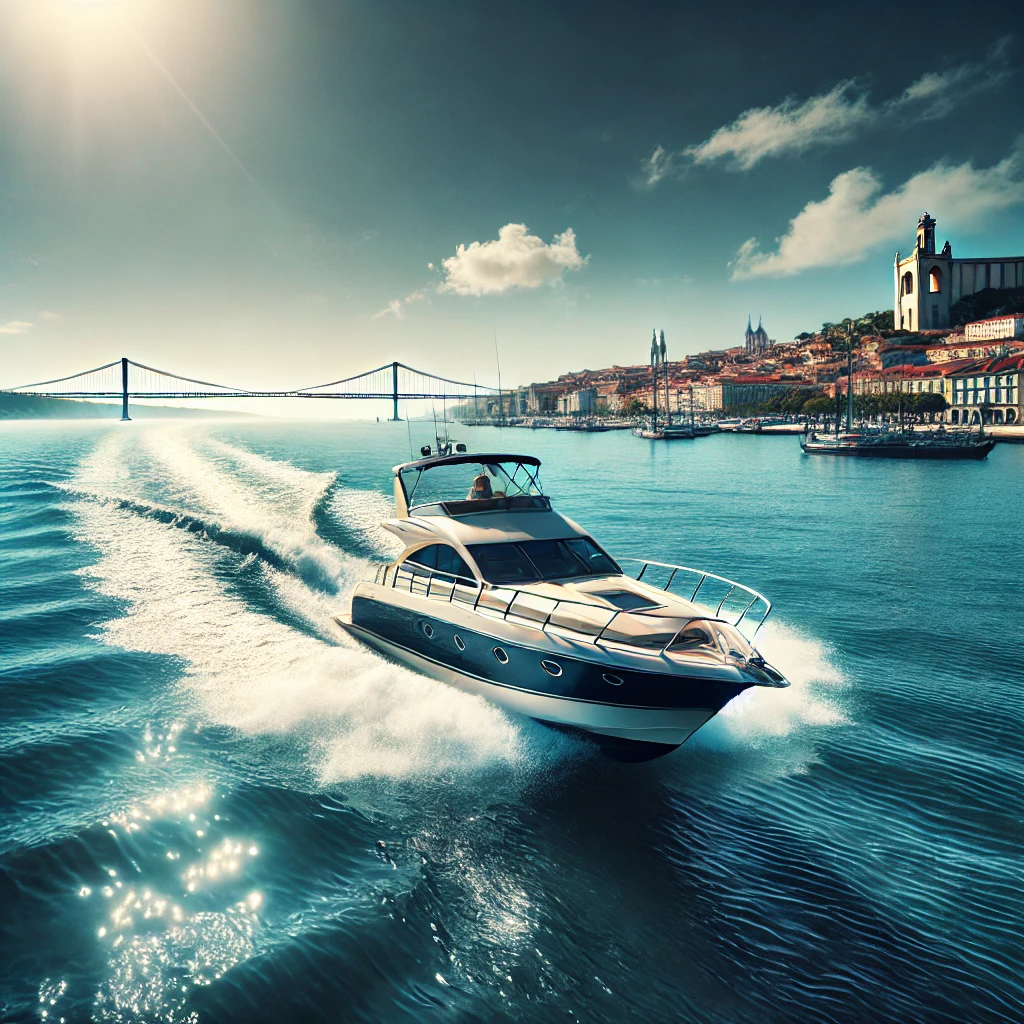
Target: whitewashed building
point(578, 403)
point(996, 328)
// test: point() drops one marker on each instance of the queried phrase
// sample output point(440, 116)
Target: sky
point(272, 194)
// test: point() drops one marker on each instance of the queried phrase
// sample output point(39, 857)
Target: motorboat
point(500, 595)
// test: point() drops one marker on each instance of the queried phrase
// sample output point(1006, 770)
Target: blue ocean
point(214, 806)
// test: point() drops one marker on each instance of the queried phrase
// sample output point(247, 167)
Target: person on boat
point(481, 489)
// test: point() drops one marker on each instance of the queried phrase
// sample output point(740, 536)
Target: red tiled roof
point(929, 371)
point(998, 364)
point(993, 319)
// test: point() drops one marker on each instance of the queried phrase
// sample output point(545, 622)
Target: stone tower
point(923, 283)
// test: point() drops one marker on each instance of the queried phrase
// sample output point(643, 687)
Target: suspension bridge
point(127, 379)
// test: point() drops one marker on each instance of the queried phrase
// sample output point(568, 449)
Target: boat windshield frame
point(523, 481)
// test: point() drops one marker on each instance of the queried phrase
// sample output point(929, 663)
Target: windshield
point(471, 481)
point(533, 560)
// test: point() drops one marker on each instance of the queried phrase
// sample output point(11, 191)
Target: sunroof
point(624, 600)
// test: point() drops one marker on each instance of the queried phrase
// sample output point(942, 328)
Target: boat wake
point(210, 547)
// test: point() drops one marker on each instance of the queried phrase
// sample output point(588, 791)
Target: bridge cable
point(60, 380)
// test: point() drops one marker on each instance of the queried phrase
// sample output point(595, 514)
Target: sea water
point(216, 807)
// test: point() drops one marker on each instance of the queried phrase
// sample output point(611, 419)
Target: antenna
point(497, 360)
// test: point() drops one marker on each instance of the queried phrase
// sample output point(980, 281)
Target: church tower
point(926, 235)
point(923, 283)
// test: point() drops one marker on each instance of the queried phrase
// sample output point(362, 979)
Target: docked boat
point(665, 432)
point(900, 445)
point(500, 595)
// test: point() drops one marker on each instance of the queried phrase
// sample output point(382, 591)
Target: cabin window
point(552, 558)
point(935, 280)
point(533, 560)
point(440, 558)
point(503, 563)
point(595, 560)
point(908, 283)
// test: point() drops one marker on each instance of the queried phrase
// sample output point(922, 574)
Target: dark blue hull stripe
point(579, 680)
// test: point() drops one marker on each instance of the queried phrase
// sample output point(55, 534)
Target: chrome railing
point(581, 620)
point(741, 606)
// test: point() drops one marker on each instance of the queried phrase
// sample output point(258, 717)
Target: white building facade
point(996, 328)
point(578, 403)
point(989, 392)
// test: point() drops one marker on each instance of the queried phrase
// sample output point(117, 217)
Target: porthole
point(501, 655)
point(552, 668)
point(428, 630)
point(459, 642)
point(612, 679)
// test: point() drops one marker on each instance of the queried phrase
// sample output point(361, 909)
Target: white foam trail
point(357, 715)
point(278, 511)
point(362, 513)
point(763, 714)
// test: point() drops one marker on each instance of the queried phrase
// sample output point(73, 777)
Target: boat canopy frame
point(404, 496)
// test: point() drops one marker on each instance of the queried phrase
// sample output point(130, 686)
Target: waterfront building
point(707, 397)
point(989, 392)
point(578, 403)
point(996, 328)
point(933, 378)
point(927, 283)
point(756, 342)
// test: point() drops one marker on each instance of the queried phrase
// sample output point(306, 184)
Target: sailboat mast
point(849, 386)
point(654, 379)
point(668, 397)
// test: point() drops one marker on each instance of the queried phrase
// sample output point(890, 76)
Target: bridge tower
point(124, 390)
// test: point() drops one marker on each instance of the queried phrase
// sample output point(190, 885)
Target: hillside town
point(971, 371)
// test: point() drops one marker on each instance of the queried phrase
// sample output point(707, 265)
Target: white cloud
point(660, 164)
point(396, 307)
point(836, 116)
point(49, 316)
point(855, 219)
point(789, 127)
point(516, 259)
point(16, 327)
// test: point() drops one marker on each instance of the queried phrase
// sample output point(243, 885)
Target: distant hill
point(32, 407)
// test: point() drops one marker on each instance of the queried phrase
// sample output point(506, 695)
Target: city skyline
point(259, 194)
